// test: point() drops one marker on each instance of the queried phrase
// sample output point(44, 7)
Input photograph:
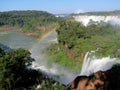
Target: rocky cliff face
point(100, 80)
point(85, 19)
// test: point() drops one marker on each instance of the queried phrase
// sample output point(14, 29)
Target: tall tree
point(13, 67)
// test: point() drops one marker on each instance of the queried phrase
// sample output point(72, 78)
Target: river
point(15, 39)
point(60, 74)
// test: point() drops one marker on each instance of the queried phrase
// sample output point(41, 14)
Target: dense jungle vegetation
point(14, 74)
point(104, 13)
point(75, 39)
point(31, 22)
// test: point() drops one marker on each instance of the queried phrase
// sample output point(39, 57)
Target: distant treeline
point(28, 21)
point(105, 13)
point(21, 17)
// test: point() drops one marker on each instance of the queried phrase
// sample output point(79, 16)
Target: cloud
point(79, 11)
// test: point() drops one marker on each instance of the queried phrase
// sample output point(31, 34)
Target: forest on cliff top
point(75, 39)
point(32, 22)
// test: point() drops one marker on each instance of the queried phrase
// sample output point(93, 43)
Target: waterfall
point(85, 64)
point(85, 19)
point(93, 64)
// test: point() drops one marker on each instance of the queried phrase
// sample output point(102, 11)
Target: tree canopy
point(20, 17)
point(13, 67)
point(14, 74)
point(35, 22)
point(75, 39)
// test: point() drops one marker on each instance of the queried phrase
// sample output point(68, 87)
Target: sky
point(60, 6)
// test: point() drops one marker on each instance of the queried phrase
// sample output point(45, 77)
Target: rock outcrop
point(100, 80)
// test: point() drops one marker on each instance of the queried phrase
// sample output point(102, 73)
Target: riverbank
point(42, 31)
point(37, 35)
point(8, 27)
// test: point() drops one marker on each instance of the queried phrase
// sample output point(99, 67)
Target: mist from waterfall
point(58, 73)
point(90, 65)
point(85, 19)
point(93, 64)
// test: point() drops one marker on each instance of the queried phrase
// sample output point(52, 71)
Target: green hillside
point(74, 40)
point(30, 22)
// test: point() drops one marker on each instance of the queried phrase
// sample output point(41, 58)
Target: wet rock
point(100, 80)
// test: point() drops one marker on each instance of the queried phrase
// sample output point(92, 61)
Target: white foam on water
point(85, 19)
point(92, 64)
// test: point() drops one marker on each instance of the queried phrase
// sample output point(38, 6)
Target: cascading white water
point(85, 64)
point(85, 19)
point(92, 64)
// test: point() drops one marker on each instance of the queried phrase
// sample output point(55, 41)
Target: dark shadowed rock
point(101, 80)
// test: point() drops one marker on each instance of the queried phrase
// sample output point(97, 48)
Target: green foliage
point(95, 35)
point(67, 32)
point(49, 85)
point(57, 55)
point(13, 67)
point(74, 40)
point(14, 74)
point(19, 17)
point(29, 21)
